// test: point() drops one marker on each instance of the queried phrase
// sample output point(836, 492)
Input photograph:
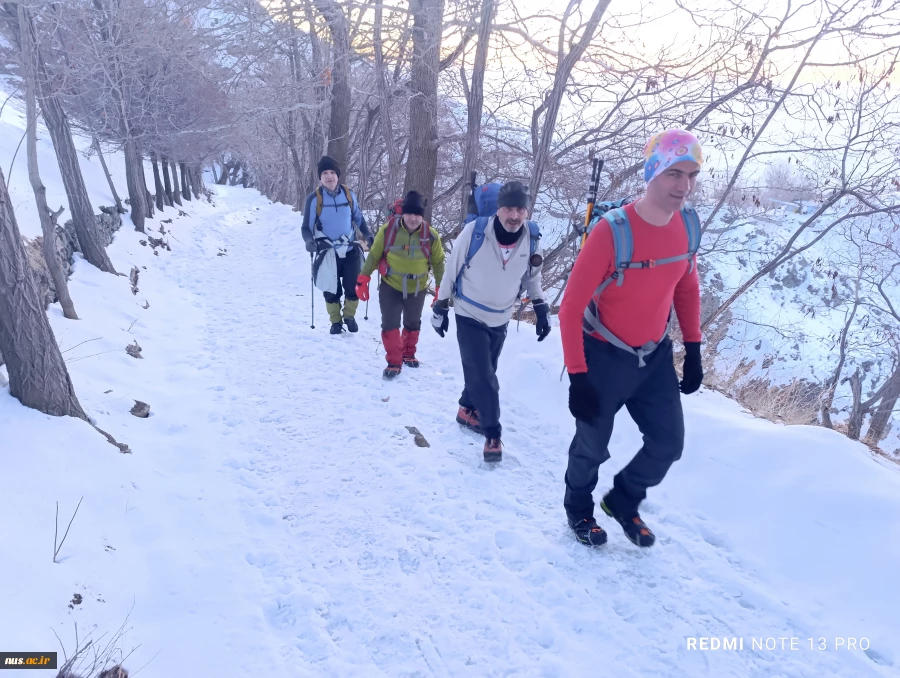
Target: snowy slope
point(12, 145)
point(276, 518)
point(788, 325)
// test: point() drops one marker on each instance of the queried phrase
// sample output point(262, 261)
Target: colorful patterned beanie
point(667, 148)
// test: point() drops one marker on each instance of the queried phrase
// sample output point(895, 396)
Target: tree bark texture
point(37, 373)
point(167, 185)
point(881, 417)
point(421, 166)
point(48, 227)
point(136, 192)
point(339, 131)
point(176, 190)
point(157, 184)
point(185, 188)
point(476, 100)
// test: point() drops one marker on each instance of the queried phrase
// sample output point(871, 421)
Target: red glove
point(436, 290)
point(362, 287)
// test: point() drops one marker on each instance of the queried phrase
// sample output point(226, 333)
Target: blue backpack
point(482, 207)
point(482, 201)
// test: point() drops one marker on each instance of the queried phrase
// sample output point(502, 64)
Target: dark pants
point(653, 400)
point(394, 306)
point(479, 348)
point(348, 270)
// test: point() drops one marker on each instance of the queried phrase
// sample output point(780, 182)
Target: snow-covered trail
point(276, 517)
point(383, 558)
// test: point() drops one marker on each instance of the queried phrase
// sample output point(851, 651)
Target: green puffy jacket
point(405, 259)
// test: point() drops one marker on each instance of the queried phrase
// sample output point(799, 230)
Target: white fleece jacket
point(485, 280)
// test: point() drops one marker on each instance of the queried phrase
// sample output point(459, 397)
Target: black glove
point(369, 240)
point(542, 311)
point(583, 401)
point(440, 318)
point(692, 369)
point(311, 246)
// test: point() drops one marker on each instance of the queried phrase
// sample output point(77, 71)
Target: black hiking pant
point(653, 400)
point(479, 348)
point(348, 269)
point(394, 307)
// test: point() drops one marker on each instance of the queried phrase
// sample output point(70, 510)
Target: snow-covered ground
point(276, 518)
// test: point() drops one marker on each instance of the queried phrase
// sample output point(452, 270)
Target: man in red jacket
point(616, 345)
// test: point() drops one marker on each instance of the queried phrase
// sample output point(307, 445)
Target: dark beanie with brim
point(414, 204)
point(328, 163)
point(513, 194)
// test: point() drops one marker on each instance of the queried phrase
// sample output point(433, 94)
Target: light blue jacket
point(337, 218)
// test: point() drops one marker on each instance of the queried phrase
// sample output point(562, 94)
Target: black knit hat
point(513, 194)
point(414, 204)
point(328, 163)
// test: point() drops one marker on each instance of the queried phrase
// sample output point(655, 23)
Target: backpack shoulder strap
point(477, 238)
point(349, 195)
point(426, 243)
point(692, 226)
point(318, 202)
point(390, 233)
point(535, 235)
point(623, 242)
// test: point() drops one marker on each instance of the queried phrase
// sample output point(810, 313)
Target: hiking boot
point(635, 528)
point(410, 361)
point(493, 450)
point(469, 418)
point(336, 328)
point(588, 532)
point(351, 324)
point(391, 371)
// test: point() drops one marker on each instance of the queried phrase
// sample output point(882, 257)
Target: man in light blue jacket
point(332, 224)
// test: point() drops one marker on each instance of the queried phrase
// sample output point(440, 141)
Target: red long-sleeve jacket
point(638, 310)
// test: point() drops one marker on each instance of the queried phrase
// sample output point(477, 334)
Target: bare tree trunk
point(339, 132)
point(836, 378)
point(421, 167)
point(882, 416)
point(476, 99)
point(550, 105)
point(37, 373)
point(95, 142)
point(148, 197)
point(157, 183)
point(136, 191)
point(364, 155)
point(61, 135)
point(195, 174)
point(48, 227)
point(185, 189)
point(167, 185)
point(384, 98)
point(857, 410)
point(176, 190)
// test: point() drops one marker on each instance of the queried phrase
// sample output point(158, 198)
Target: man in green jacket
point(403, 251)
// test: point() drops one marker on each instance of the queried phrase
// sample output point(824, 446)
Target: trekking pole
point(596, 167)
point(312, 295)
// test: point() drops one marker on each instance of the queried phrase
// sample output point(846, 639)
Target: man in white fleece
point(484, 292)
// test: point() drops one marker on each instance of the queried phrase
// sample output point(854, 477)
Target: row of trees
point(122, 73)
point(416, 95)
